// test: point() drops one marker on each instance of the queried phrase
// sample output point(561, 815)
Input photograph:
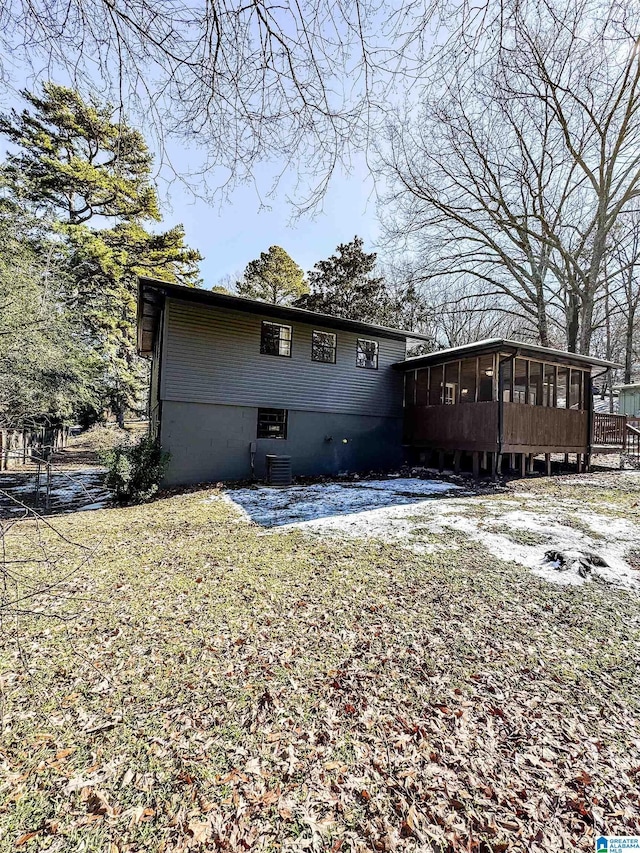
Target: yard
point(362, 666)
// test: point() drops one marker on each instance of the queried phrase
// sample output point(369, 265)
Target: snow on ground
point(70, 491)
point(429, 515)
point(329, 501)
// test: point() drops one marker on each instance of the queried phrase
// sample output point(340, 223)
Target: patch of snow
point(300, 504)
point(411, 513)
point(77, 489)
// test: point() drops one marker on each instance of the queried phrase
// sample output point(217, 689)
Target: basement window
point(323, 347)
point(367, 354)
point(275, 339)
point(272, 423)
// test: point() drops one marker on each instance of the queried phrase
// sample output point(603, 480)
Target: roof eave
point(238, 303)
point(500, 344)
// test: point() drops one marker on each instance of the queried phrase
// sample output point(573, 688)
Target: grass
point(201, 683)
point(518, 535)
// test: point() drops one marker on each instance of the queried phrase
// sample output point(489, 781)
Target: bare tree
point(521, 163)
point(244, 82)
point(305, 81)
point(624, 292)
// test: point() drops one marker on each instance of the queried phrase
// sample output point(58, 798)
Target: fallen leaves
point(330, 696)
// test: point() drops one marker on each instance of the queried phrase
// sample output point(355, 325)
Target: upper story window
point(323, 347)
point(275, 339)
point(367, 354)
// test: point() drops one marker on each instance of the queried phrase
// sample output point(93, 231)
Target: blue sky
point(231, 233)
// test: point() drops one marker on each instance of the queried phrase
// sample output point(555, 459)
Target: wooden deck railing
point(609, 429)
point(633, 442)
point(618, 431)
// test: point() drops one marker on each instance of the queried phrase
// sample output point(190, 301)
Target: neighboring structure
point(500, 402)
point(233, 380)
point(629, 399)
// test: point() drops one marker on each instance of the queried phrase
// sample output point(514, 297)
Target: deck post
point(441, 461)
point(547, 460)
point(523, 465)
point(587, 463)
point(512, 461)
point(476, 465)
point(484, 460)
point(579, 463)
point(456, 461)
point(497, 466)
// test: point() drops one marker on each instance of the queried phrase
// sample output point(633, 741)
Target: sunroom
point(498, 404)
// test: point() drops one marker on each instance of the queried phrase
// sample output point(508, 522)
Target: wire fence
point(39, 559)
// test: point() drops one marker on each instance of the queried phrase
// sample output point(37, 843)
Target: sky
point(235, 231)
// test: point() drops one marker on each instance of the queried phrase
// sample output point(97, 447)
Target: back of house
point(234, 380)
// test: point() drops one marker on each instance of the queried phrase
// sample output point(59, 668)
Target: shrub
point(134, 471)
point(103, 438)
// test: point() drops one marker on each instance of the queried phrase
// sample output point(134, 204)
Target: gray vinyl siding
point(212, 355)
point(154, 383)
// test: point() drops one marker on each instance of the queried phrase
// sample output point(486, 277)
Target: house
point(234, 380)
point(500, 403)
point(629, 399)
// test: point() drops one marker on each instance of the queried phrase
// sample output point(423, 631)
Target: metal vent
point(278, 470)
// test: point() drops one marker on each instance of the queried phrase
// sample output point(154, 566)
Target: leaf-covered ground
point(221, 686)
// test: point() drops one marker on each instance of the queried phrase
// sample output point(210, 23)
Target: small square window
point(275, 339)
point(323, 347)
point(367, 354)
point(272, 423)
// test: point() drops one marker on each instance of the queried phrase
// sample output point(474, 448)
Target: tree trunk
point(586, 322)
point(573, 322)
point(628, 345)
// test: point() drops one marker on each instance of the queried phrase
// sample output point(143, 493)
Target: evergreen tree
point(47, 371)
point(78, 161)
point(273, 277)
point(344, 285)
point(105, 265)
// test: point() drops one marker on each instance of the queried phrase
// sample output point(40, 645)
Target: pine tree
point(75, 162)
point(273, 277)
point(344, 285)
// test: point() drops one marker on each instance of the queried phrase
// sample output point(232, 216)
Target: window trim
point(335, 347)
point(285, 423)
point(280, 326)
point(358, 351)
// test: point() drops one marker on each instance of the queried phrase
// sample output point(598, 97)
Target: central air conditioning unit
point(278, 470)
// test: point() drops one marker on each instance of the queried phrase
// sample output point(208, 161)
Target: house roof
point(152, 290)
point(500, 344)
